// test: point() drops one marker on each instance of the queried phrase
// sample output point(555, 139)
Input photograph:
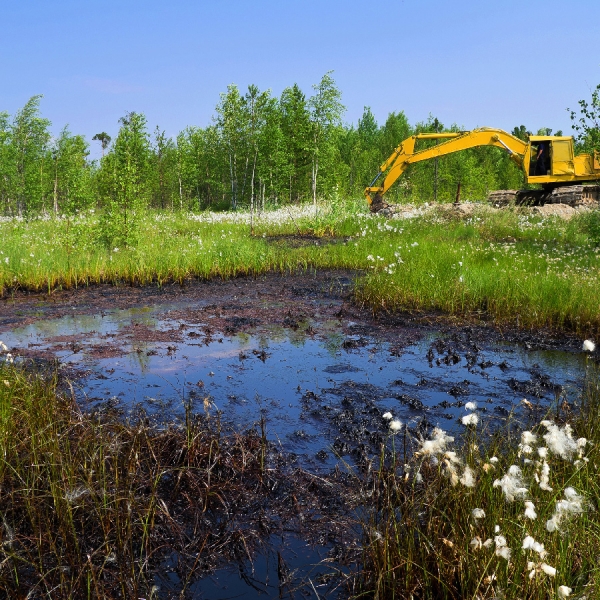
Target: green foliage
point(128, 165)
point(24, 144)
point(71, 174)
point(260, 151)
point(326, 110)
point(587, 122)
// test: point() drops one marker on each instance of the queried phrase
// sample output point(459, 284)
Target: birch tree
point(326, 110)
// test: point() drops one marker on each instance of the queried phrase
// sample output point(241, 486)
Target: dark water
point(322, 391)
point(299, 381)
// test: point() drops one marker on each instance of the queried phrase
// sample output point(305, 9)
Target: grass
point(92, 506)
point(515, 269)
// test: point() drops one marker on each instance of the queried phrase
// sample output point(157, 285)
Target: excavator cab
point(551, 156)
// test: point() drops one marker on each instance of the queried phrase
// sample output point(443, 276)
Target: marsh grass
point(95, 506)
point(512, 268)
point(421, 539)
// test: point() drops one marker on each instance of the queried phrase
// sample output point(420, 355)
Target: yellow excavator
point(546, 160)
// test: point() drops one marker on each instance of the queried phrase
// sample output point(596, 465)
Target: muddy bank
point(237, 304)
point(296, 351)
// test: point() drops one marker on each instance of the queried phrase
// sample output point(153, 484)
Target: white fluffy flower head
point(437, 443)
point(589, 346)
point(560, 440)
point(395, 425)
point(470, 419)
point(512, 484)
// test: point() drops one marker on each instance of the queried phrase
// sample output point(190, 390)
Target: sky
point(474, 63)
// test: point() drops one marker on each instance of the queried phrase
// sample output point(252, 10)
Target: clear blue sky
point(497, 63)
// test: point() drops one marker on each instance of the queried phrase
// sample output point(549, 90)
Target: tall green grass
point(506, 266)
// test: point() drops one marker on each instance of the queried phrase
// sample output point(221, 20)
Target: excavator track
point(572, 195)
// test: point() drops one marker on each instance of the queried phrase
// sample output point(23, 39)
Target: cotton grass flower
point(435, 445)
point(530, 511)
point(564, 591)
point(471, 406)
point(539, 568)
point(560, 440)
point(512, 484)
point(395, 426)
point(468, 478)
point(387, 416)
point(543, 478)
point(589, 346)
point(550, 571)
point(478, 513)
point(572, 505)
point(476, 543)
point(501, 547)
point(470, 419)
point(530, 544)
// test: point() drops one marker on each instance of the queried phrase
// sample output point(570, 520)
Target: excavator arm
point(405, 154)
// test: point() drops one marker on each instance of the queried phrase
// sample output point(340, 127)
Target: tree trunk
point(315, 171)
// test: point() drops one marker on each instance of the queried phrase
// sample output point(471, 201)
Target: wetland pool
point(297, 355)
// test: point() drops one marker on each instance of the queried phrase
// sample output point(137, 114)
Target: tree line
point(258, 150)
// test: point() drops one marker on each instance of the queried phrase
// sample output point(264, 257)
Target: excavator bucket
point(378, 203)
